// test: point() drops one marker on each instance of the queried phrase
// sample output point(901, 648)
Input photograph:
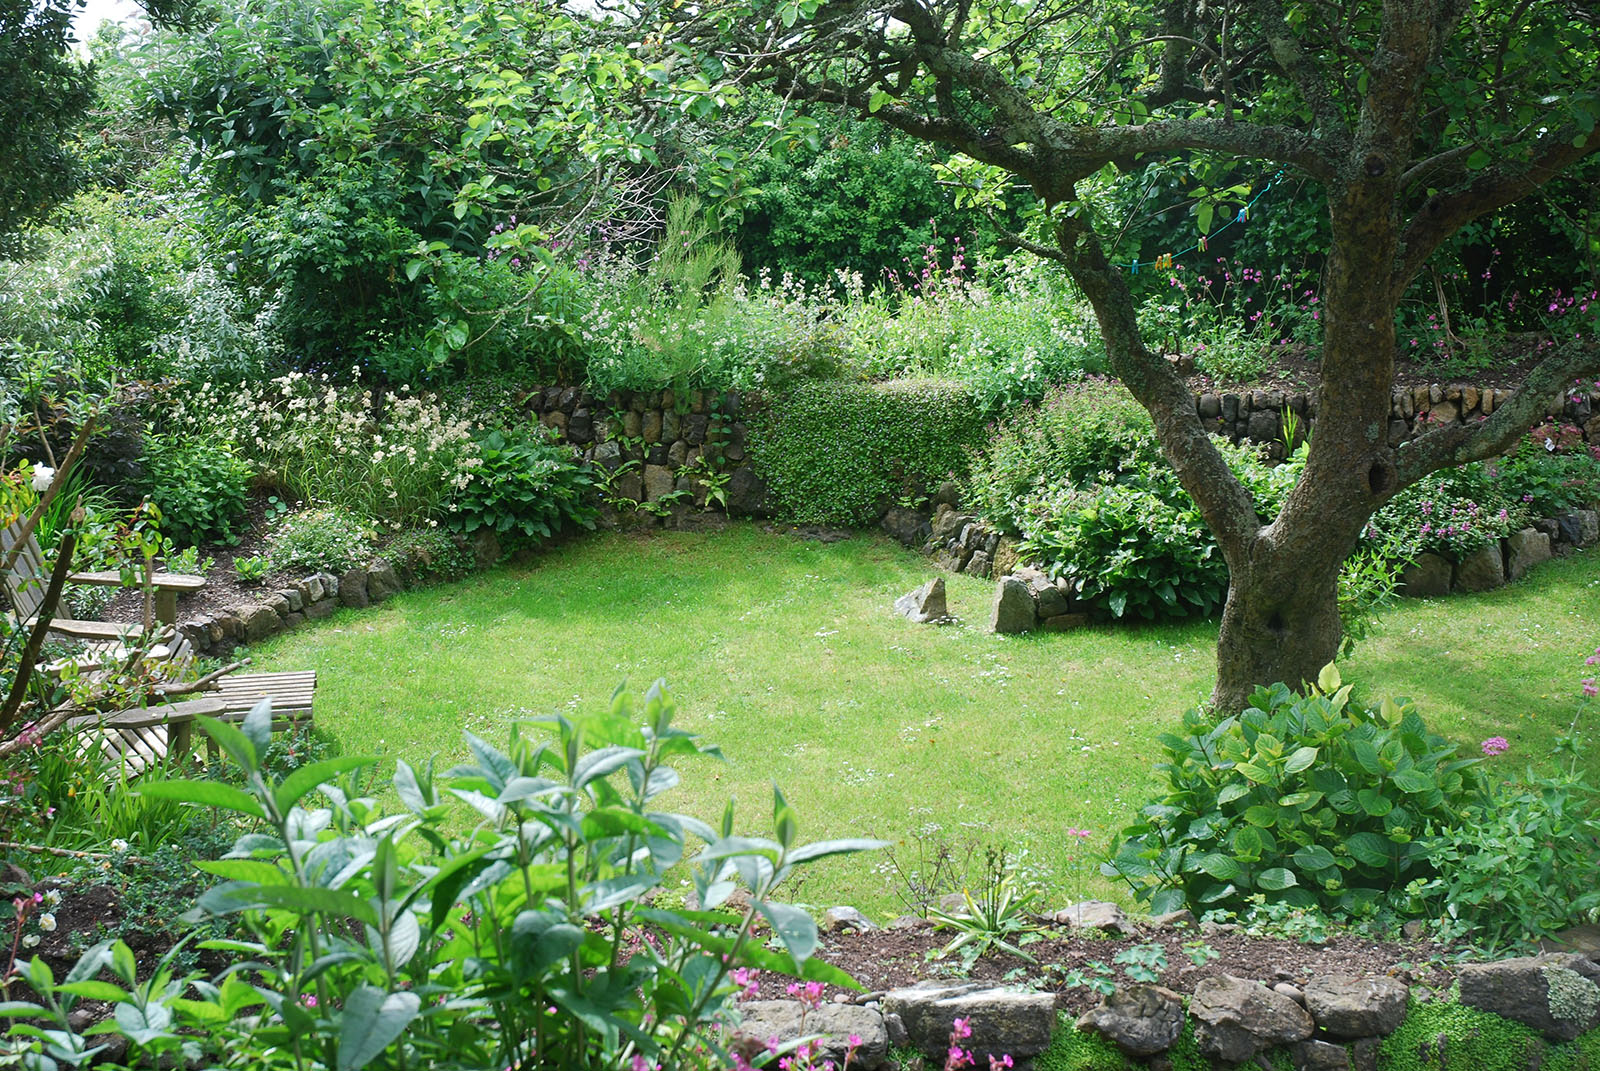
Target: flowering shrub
point(319, 539)
point(1453, 512)
point(201, 487)
point(394, 941)
point(395, 457)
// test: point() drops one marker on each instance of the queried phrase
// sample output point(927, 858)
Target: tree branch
point(1447, 212)
point(1459, 444)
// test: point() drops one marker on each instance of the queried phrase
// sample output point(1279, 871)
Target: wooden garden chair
point(137, 738)
point(26, 581)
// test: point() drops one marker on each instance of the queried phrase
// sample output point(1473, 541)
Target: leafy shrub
point(525, 485)
point(1139, 547)
point(201, 486)
point(1127, 550)
point(430, 552)
point(1452, 512)
point(1070, 438)
point(393, 941)
point(1551, 472)
point(320, 539)
point(842, 453)
point(1305, 799)
point(1521, 863)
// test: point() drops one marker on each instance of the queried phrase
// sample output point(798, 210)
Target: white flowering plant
point(395, 456)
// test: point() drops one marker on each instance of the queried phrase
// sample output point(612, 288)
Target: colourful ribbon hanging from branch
point(1165, 261)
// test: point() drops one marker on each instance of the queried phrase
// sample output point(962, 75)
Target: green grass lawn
point(787, 654)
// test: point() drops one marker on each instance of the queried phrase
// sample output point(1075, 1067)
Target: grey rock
point(315, 591)
point(926, 605)
point(1183, 918)
point(1588, 527)
point(1319, 1056)
point(1013, 607)
point(978, 565)
point(629, 486)
point(1346, 1007)
point(787, 1020)
point(258, 621)
point(1364, 1054)
point(1427, 577)
point(1230, 408)
point(232, 624)
point(293, 620)
point(747, 492)
point(1002, 1020)
point(1142, 1020)
point(908, 922)
point(353, 588)
point(216, 628)
point(330, 585)
point(580, 429)
point(1264, 425)
point(1524, 550)
point(1482, 570)
point(1553, 994)
point(1235, 1019)
point(1584, 940)
point(895, 1027)
point(845, 918)
point(907, 526)
point(1095, 915)
point(694, 428)
point(1210, 407)
point(382, 581)
point(1064, 622)
point(658, 482)
point(949, 560)
point(279, 604)
point(650, 426)
point(948, 494)
point(321, 609)
point(671, 426)
point(607, 455)
point(678, 454)
point(632, 424)
point(947, 524)
point(1052, 602)
point(1292, 991)
point(485, 547)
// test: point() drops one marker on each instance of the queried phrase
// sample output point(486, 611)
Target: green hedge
point(841, 453)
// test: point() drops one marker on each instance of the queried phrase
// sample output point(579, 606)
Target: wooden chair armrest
point(161, 581)
point(142, 717)
point(87, 630)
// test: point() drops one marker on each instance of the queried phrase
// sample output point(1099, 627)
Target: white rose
point(43, 475)
point(47, 923)
point(119, 845)
point(29, 940)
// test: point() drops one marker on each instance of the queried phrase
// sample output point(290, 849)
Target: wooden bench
point(139, 738)
point(26, 581)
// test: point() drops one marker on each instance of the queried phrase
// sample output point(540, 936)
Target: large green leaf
point(1412, 781)
point(308, 777)
point(372, 1019)
point(1369, 848)
point(1374, 802)
point(794, 925)
point(1219, 866)
point(1300, 760)
point(1276, 879)
point(206, 794)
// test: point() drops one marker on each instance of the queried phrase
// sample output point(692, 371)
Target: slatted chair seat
point(137, 739)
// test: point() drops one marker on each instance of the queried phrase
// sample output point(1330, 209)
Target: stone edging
point(1332, 1023)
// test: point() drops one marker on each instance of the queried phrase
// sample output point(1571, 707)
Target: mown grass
point(788, 655)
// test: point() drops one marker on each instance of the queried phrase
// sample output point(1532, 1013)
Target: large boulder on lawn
point(1142, 1020)
point(1554, 994)
point(782, 1021)
point(1348, 1007)
point(1002, 1021)
point(1013, 607)
point(1524, 550)
point(1236, 1019)
point(926, 605)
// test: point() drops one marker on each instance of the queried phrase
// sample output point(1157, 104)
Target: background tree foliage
point(43, 93)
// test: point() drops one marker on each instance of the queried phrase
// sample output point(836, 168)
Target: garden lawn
point(787, 654)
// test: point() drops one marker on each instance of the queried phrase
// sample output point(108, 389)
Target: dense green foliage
point(389, 941)
point(43, 93)
point(842, 453)
point(321, 539)
point(1310, 800)
point(201, 487)
point(525, 487)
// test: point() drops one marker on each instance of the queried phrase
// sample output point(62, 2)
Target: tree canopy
point(1417, 117)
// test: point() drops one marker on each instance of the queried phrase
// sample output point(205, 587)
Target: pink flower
point(961, 1028)
point(1589, 689)
point(1079, 833)
point(854, 1041)
point(1495, 745)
